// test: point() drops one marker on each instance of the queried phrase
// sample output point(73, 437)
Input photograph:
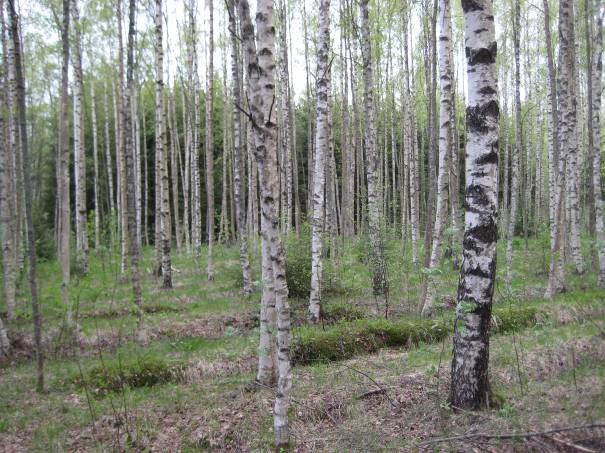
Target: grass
point(189, 388)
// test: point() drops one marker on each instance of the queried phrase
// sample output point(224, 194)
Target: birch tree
point(238, 155)
point(79, 150)
point(133, 244)
point(594, 54)
point(7, 205)
point(210, 143)
point(379, 281)
point(161, 158)
point(95, 159)
point(445, 144)
point(322, 137)
point(27, 180)
point(469, 375)
point(261, 83)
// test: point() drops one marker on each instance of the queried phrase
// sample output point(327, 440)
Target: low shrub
point(350, 338)
point(114, 376)
point(340, 311)
point(298, 263)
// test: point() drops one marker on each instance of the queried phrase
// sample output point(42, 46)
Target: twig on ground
point(393, 402)
point(511, 435)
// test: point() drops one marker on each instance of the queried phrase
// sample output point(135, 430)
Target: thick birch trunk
point(261, 80)
point(469, 376)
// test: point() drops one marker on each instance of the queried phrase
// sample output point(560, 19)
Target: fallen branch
point(571, 444)
point(511, 435)
point(380, 387)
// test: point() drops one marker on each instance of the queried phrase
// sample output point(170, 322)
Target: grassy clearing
point(379, 384)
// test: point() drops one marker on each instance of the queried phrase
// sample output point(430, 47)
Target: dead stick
point(512, 435)
point(393, 403)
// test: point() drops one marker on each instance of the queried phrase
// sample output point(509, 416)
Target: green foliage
point(298, 263)
point(511, 319)
point(340, 311)
point(115, 375)
point(347, 339)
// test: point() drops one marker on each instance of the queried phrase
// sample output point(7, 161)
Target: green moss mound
point(115, 376)
point(347, 339)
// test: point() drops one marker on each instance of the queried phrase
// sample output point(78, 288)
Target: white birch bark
point(469, 376)
point(95, 158)
point(63, 183)
point(445, 147)
point(238, 155)
point(261, 80)
point(161, 158)
point(79, 150)
point(516, 151)
point(210, 144)
point(6, 205)
point(595, 59)
point(322, 137)
point(379, 280)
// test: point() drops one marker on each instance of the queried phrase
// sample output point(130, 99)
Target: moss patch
point(350, 338)
point(115, 375)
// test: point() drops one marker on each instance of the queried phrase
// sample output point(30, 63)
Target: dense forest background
point(292, 185)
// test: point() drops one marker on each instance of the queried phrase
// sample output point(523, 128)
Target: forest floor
point(190, 388)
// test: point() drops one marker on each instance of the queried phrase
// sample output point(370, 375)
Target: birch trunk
point(379, 281)
point(261, 80)
point(445, 147)
point(63, 184)
point(133, 245)
point(516, 151)
point(238, 157)
point(322, 137)
point(556, 275)
point(175, 152)
point(348, 169)
point(95, 159)
point(470, 387)
point(161, 158)
point(594, 52)
point(569, 115)
point(7, 226)
point(121, 115)
point(108, 163)
point(27, 180)
point(79, 150)
point(210, 143)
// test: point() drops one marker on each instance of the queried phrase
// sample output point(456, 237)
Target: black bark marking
point(486, 232)
point(482, 55)
point(476, 117)
point(487, 90)
point(471, 5)
point(489, 158)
